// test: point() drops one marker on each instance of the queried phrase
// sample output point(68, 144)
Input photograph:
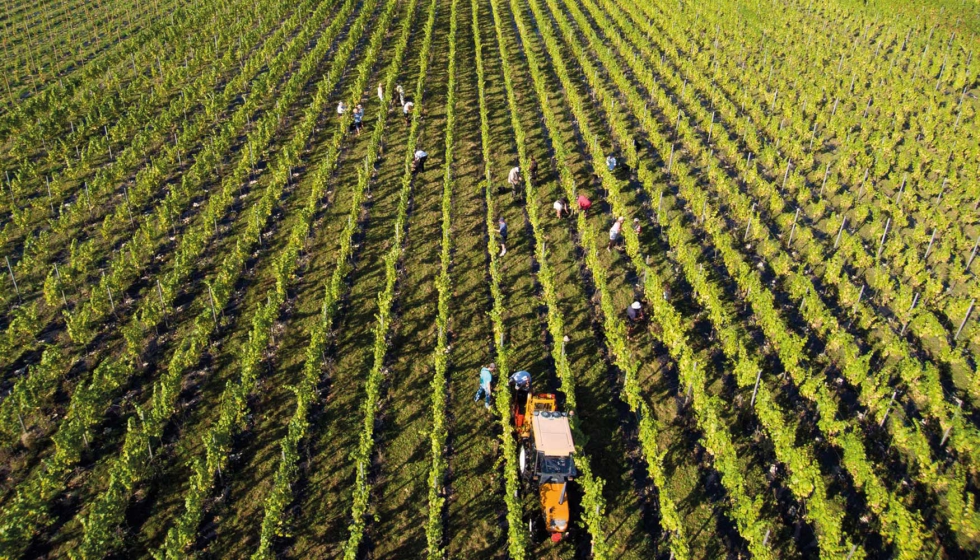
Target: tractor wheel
point(535, 529)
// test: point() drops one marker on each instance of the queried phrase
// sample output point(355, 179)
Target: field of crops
point(232, 324)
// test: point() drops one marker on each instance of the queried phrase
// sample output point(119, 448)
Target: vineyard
point(253, 266)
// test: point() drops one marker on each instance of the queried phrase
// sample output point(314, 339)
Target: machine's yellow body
point(546, 459)
point(555, 507)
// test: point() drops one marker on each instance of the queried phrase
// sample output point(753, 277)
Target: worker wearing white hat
point(635, 314)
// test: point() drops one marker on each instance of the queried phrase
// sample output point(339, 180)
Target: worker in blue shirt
point(521, 380)
point(522, 386)
point(486, 379)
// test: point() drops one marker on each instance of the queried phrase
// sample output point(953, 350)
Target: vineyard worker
point(521, 381)
point(486, 378)
point(514, 179)
point(358, 117)
point(401, 94)
point(407, 111)
point(583, 203)
point(418, 165)
point(615, 233)
point(636, 226)
point(381, 93)
point(522, 386)
point(502, 230)
point(611, 163)
point(341, 109)
point(532, 171)
point(561, 207)
point(634, 313)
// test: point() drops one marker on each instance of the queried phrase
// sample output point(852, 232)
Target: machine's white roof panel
point(552, 434)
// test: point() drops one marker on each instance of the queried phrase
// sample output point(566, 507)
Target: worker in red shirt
point(583, 203)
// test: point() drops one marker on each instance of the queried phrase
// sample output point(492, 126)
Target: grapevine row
point(361, 456)
point(233, 407)
point(717, 438)
point(440, 356)
point(30, 393)
point(517, 541)
point(27, 510)
point(593, 503)
point(20, 338)
point(858, 372)
point(281, 494)
point(895, 514)
point(806, 481)
point(850, 244)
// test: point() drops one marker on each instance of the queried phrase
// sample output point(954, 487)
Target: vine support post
point(214, 313)
point(129, 208)
point(881, 244)
point(915, 300)
point(888, 409)
point(755, 390)
point(792, 230)
point(826, 174)
point(149, 444)
point(177, 151)
point(840, 232)
point(941, 70)
point(864, 181)
point(942, 190)
point(929, 248)
point(901, 189)
point(47, 183)
point(789, 164)
point(163, 305)
point(851, 553)
point(973, 255)
point(959, 407)
point(12, 279)
point(57, 274)
point(966, 318)
point(109, 290)
point(20, 418)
